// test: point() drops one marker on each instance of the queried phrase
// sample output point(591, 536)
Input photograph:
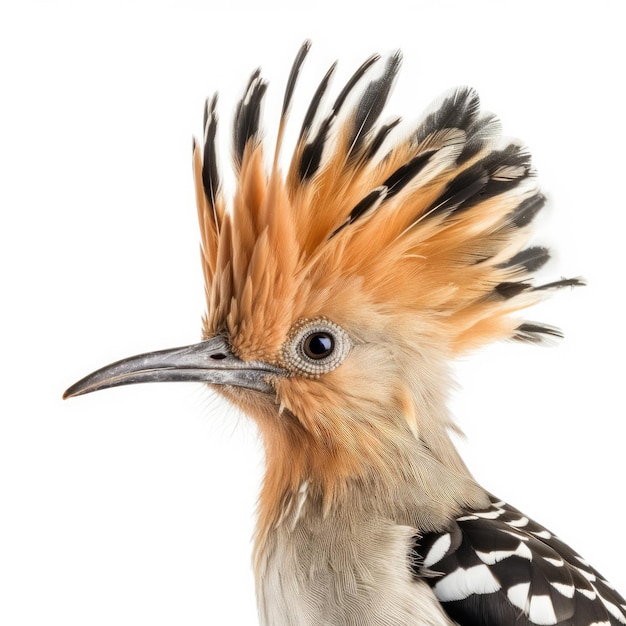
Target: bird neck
point(413, 479)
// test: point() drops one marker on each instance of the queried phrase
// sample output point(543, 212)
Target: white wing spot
point(590, 576)
point(588, 594)
point(518, 595)
point(518, 523)
point(565, 590)
point(543, 534)
point(541, 610)
point(462, 583)
point(489, 514)
point(438, 550)
point(495, 556)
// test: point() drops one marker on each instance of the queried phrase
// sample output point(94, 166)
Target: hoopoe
point(337, 295)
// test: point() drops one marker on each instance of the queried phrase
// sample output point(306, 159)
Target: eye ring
point(315, 346)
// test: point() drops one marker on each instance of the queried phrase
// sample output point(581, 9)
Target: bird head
point(339, 290)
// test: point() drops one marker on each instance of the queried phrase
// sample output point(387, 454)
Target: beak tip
point(72, 391)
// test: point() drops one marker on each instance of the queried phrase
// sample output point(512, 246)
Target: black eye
point(318, 345)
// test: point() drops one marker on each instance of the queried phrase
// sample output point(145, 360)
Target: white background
point(135, 505)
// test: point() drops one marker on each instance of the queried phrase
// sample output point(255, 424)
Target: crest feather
point(434, 228)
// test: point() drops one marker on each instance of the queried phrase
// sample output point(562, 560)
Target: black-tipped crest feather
point(379, 138)
point(527, 210)
point(372, 103)
point(293, 76)
point(247, 116)
point(312, 153)
point(531, 332)
point(210, 172)
point(564, 282)
point(464, 186)
point(530, 259)
point(459, 110)
point(352, 82)
point(503, 169)
point(315, 102)
point(407, 172)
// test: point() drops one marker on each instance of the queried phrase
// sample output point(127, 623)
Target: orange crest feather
point(432, 228)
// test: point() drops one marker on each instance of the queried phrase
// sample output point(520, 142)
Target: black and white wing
point(497, 567)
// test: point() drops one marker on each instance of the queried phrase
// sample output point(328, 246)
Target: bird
point(340, 287)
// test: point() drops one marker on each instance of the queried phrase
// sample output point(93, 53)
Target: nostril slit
point(218, 356)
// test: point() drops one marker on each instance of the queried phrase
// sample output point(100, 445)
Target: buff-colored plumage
point(339, 287)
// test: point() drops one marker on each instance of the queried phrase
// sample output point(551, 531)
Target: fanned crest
point(431, 223)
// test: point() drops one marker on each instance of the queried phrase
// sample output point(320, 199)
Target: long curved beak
point(210, 361)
